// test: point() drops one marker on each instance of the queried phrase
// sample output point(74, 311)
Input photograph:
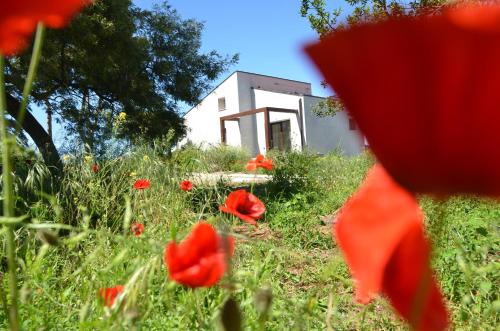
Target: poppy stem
point(251, 184)
point(28, 84)
point(199, 312)
point(8, 202)
point(227, 256)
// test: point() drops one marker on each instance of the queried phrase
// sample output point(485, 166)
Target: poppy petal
point(19, 18)
point(109, 294)
point(380, 231)
point(243, 217)
point(426, 96)
point(244, 205)
point(251, 166)
point(200, 259)
point(415, 295)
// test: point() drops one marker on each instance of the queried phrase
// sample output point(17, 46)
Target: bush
point(292, 173)
point(213, 159)
point(225, 158)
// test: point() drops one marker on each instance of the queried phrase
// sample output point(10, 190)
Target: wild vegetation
point(132, 238)
point(287, 273)
point(164, 67)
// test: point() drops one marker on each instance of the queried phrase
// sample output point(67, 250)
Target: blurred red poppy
point(260, 162)
point(244, 205)
point(95, 168)
point(109, 294)
point(424, 91)
point(186, 185)
point(380, 231)
point(18, 19)
point(137, 229)
point(200, 259)
point(142, 184)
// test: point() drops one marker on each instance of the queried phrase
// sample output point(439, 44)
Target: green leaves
point(147, 61)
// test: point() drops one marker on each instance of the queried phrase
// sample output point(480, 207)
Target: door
point(280, 135)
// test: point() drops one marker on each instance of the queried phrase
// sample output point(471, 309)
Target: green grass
point(291, 254)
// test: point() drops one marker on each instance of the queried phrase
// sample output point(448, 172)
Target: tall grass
point(78, 239)
point(213, 159)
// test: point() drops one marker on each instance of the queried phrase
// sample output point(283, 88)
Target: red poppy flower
point(244, 205)
point(200, 259)
point(424, 91)
point(137, 229)
point(142, 184)
point(186, 185)
point(260, 162)
point(109, 294)
point(95, 168)
point(18, 19)
point(380, 231)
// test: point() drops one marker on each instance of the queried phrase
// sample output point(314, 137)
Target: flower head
point(19, 18)
point(137, 229)
point(145, 158)
point(95, 168)
point(109, 294)
point(259, 162)
point(88, 158)
point(122, 116)
point(66, 157)
point(380, 232)
point(186, 185)
point(200, 259)
point(431, 118)
point(244, 205)
point(142, 184)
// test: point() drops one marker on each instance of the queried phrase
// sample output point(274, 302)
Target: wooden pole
point(267, 129)
point(222, 131)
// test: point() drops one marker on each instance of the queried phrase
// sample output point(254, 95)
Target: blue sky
point(269, 36)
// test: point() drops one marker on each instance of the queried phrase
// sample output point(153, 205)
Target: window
point(222, 104)
point(352, 124)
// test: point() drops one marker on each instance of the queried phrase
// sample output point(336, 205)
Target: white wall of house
point(274, 84)
point(246, 91)
point(257, 91)
point(265, 98)
point(325, 134)
point(202, 120)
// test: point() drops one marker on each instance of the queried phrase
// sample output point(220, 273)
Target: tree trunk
point(49, 119)
point(39, 135)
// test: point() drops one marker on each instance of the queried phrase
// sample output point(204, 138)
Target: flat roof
point(255, 74)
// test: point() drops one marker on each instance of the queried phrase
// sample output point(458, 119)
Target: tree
point(115, 58)
point(325, 21)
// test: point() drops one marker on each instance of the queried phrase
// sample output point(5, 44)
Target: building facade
point(261, 112)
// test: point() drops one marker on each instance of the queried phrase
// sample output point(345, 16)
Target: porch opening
point(277, 134)
point(280, 136)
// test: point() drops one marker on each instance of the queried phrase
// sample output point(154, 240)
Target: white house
point(261, 112)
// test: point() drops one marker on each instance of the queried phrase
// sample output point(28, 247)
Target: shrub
point(292, 173)
point(215, 158)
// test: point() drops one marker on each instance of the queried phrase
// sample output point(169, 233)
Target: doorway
point(280, 135)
